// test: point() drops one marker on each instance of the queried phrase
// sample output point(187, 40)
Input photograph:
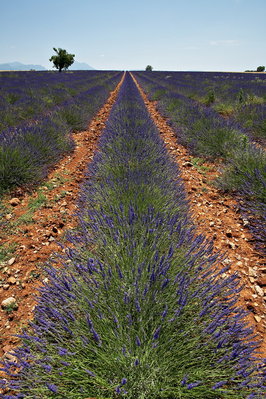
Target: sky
point(177, 35)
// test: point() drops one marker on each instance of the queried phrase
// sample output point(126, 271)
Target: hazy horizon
point(201, 35)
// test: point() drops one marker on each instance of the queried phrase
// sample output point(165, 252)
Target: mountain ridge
point(18, 66)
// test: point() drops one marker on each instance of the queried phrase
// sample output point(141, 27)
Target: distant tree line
point(260, 68)
point(149, 68)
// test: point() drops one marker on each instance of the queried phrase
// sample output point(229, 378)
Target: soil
point(217, 216)
point(36, 234)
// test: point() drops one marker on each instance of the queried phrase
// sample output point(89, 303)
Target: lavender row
point(29, 149)
point(207, 134)
point(27, 96)
point(226, 85)
point(238, 96)
point(139, 308)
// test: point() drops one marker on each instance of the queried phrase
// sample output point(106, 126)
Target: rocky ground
point(217, 216)
point(33, 223)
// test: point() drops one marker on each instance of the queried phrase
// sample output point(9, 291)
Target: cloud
point(227, 43)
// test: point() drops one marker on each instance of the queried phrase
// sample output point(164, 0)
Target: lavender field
point(38, 113)
point(138, 305)
point(218, 116)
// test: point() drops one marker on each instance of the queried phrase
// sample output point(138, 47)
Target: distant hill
point(18, 66)
point(80, 66)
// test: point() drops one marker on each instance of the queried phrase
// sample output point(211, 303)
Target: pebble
point(231, 245)
point(11, 301)
point(259, 290)
point(10, 356)
point(14, 201)
point(11, 280)
point(187, 164)
point(226, 261)
point(11, 261)
point(257, 318)
point(252, 272)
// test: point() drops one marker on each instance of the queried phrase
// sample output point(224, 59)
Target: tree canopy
point(62, 59)
point(149, 68)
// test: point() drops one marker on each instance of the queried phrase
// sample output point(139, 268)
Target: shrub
point(139, 308)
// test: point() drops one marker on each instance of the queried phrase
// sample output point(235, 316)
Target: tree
point(62, 60)
point(149, 68)
point(261, 68)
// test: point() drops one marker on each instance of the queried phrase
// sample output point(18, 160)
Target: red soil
point(216, 216)
point(37, 240)
point(214, 213)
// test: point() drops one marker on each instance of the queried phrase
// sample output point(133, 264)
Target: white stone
point(11, 261)
point(11, 301)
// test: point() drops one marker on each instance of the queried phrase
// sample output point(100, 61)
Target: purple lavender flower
point(157, 333)
point(52, 387)
point(194, 384)
point(90, 373)
point(219, 384)
point(62, 351)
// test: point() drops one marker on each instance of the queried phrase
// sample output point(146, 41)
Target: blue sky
point(225, 35)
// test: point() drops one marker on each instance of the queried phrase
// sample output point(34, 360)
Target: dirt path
point(217, 217)
point(36, 222)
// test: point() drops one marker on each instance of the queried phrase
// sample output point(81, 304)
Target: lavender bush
point(209, 135)
point(28, 148)
point(238, 96)
point(139, 308)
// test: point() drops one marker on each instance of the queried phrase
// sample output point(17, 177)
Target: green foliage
point(224, 109)
point(38, 202)
point(149, 68)
point(74, 116)
point(6, 251)
point(175, 103)
point(10, 308)
point(246, 167)
point(241, 96)
point(62, 60)
point(261, 68)
point(15, 166)
point(210, 98)
point(158, 94)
